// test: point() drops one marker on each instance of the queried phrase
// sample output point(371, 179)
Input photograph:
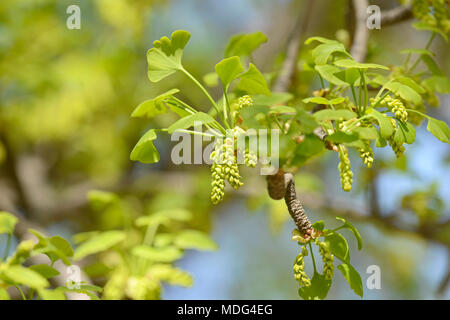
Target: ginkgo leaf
point(153, 107)
point(164, 58)
point(191, 120)
point(228, 69)
point(145, 151)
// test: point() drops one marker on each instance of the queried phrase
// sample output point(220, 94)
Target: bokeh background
point(65, 101)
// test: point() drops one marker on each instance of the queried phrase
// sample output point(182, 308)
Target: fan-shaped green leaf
point(153, 107)
point(145, 151)
point(253, 82)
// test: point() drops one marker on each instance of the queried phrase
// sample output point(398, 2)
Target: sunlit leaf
point(328, 72)
point(98, 243)
point(164, 254)
point(165, 58)
point(153, 107)
point(318, 290)
point(329, 114)
point(356, 233)
point(338, 246)
point(353, 278)
point(21, 275)
point(243, 45)
point(189, 121)
point(323, 52)
point(349, 63)
point(7, 222)
point(439, 129)
point(253, 82)
point(145, 151)
point(193, 239)
point(386, 128)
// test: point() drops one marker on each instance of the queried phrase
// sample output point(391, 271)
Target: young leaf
point(403, 91)
point(165, 254)
point(307, 122)
point(440, 84)
point(356, 233)
point(349, 63)
point(211, 79)
point(45, 270)
point(338, 246)
point(317, 100)
point(189, 121)
point(386, 128)
point(153, 107)
point(432, 65)
point(406, 133)
point(328, 114)
point(171, 275)
point(145, 151)
point(228, 69)
point(47, 294)
point(21, 275)
point(410, 83)
point(366, 133)
point(342, 137)
point(253, 82)
point(193, 239)
point(322, 52)
point(328, 72)
point(319, 39)
point(282, 109)
point(4, 295)
point(425, 26)
point(164, 216)
point(439, 129)
point(318, 290)
point(7, 222)
point(349, 76)
point(319, 225)
point(353, 278)
point(274, 99)
point(243, 45)
point(165, 58)
point(98, 243)
point(417, 51)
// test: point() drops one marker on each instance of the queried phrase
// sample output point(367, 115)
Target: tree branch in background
point(395, 15)
point(12, 172)
point(361, 35)
point(284, 79)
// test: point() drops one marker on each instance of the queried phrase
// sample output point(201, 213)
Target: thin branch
point(361, 36)
point(284, 79)
point(396, 15)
